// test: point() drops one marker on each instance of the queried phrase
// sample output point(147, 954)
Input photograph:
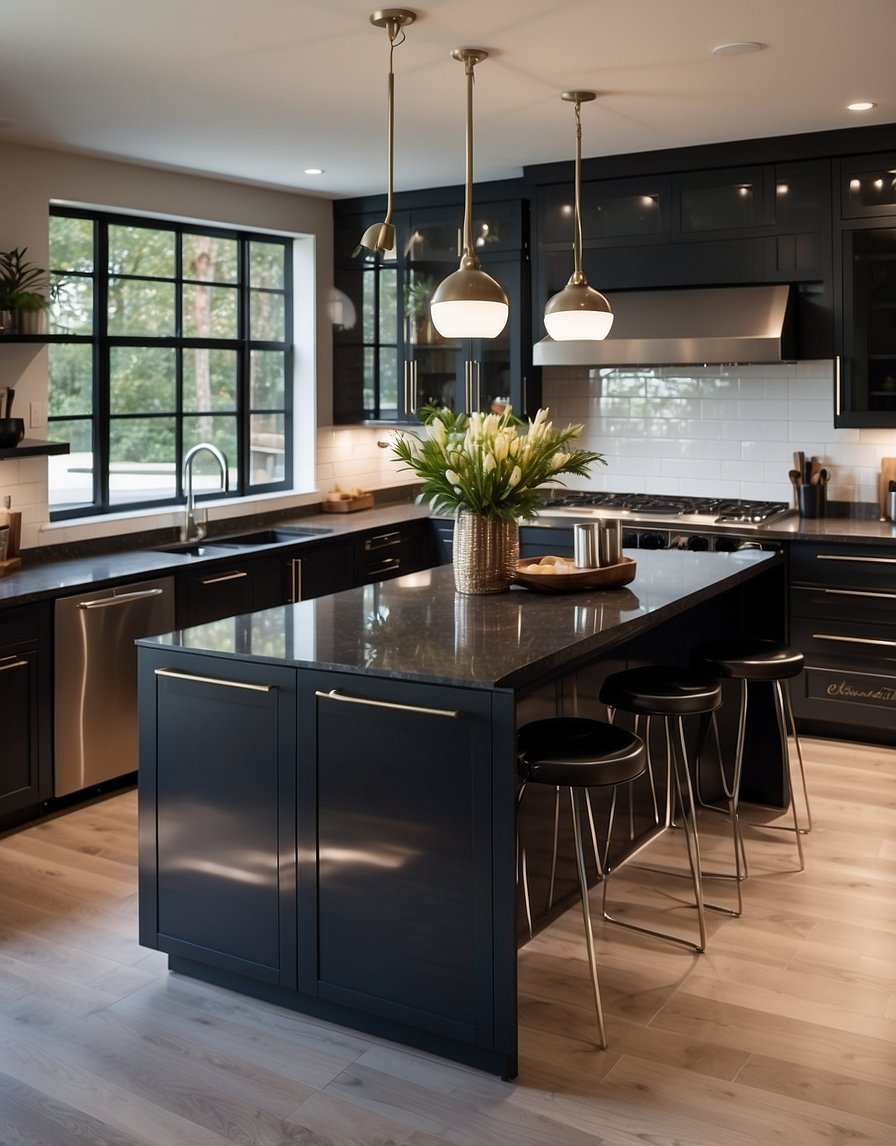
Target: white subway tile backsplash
point(717, 430)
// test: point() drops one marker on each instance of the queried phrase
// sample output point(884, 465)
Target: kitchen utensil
point(10, 394)
point(887, 474)
point(585, 545)
point(799, 463)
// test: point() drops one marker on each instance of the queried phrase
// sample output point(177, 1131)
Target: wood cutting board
point(887, 474)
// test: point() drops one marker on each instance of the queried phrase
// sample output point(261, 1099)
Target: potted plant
point(417, 297)
point(487, 473)
point(23, 294)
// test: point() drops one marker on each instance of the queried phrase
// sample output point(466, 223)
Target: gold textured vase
point(486, 553)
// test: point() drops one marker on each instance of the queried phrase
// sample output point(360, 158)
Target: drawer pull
point(12, 663)
point(235, 576)
point(334, 695)
point(215, 680)
point(381, 541)
point(854, 640)
point(860, 560)
point(860, 593)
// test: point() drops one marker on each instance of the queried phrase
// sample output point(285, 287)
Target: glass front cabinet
point(865, 368)
point(389, 360)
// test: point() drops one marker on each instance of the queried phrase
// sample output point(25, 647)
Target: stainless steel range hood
point(749, 324)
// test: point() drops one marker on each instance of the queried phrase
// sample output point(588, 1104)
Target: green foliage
point(22, 283)
point(482, 463)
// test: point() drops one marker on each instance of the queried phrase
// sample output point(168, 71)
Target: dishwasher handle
point(121, 599)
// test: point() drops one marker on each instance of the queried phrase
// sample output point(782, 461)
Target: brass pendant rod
point(577, 241)
point(470, 57)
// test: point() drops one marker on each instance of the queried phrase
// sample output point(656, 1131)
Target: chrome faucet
point(192, 530)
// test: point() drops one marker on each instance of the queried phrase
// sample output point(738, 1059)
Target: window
point(165, 335)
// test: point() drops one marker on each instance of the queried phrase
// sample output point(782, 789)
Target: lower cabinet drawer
point(845, 640)
point(863, 700)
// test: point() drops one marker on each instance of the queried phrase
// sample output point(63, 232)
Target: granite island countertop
point(417, 628)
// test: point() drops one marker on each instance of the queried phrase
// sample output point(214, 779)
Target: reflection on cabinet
point(25, 701)
point(389, 360)
point(395, 783)
point(217, 784)
point(843, 619)
point(865, 382)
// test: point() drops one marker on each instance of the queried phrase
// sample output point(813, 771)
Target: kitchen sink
point(215, 548)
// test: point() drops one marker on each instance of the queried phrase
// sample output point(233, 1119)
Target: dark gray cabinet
point(25, 701)
point(217, 785)
point(865, 381)
point(843, 619)
point(395, 782)
point(388, 358)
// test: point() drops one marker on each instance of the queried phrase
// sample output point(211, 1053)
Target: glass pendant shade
point(469, 304)
point(578, 312)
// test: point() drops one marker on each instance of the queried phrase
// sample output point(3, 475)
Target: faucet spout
point(192, 530)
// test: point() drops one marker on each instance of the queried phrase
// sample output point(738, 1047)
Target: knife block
point(12, 518)
point(887, 474)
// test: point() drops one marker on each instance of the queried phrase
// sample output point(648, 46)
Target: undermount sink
point(217, 548)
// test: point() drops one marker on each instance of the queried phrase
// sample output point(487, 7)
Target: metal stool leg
point(788, 708)
point(788, 782)
point(586, 913)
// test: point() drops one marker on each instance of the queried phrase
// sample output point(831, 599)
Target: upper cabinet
point(865, 368)
point(389, 360)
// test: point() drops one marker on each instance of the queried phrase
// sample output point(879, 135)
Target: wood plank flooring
point(784, 1031)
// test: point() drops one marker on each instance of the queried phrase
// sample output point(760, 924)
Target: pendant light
point(578, 311)
point(469, 303)
point(380, 237)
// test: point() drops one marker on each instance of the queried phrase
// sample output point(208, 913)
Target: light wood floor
point(783, 1032)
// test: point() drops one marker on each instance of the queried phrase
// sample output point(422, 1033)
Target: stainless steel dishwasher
point(96, 678)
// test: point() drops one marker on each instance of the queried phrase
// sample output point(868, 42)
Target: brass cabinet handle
point(295, 580)
point(837, 405)
point(873, 560)
point(235, 576)
point(12, 663)
point(215, 680)
point(860, 593)
point(382, 541)
point(333, 694)
point(854, 640)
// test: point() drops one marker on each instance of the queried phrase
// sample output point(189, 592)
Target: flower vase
point(486, 553)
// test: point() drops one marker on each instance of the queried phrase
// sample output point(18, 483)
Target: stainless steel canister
point(585, 545)
point(610, 543)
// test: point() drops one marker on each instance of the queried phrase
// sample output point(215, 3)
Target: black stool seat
point(748, 658)
point(661, 690)
point(571, 751)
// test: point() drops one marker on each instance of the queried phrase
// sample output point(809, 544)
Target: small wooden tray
point(575, 580)
point(348, 504)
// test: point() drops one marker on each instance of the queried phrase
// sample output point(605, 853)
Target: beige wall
point(32, 177)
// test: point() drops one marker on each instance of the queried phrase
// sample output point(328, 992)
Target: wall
point(715, 430)
point(32, 177)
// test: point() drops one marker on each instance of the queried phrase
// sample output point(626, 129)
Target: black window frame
point(243, 345)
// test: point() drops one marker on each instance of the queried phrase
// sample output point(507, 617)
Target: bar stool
point(672, 693)
point(757, 659)
point(576, 754)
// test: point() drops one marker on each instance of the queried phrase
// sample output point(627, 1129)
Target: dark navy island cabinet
point(217, 783)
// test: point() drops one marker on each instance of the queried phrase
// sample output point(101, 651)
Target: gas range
point(658, 521)
point(674, 510)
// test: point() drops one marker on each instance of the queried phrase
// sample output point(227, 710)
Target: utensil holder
point(610, 544)
point(812, 500)
point(891, 505)
point(585, 545)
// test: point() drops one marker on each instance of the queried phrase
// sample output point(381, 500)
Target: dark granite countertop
point(418, 628)
point(39, 580)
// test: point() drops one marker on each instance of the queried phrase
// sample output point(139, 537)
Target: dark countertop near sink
point(417, 628)
point(41, 579)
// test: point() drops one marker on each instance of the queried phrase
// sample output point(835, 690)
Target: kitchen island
point(328, 789)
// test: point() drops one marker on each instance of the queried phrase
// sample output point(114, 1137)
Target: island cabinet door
point(217, 826)
point(395, 804)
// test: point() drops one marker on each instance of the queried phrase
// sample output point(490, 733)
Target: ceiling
point(259, 90)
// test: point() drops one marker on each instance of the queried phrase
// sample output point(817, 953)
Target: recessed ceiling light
point(314, 171)
point(738, 48)
point(861, 105)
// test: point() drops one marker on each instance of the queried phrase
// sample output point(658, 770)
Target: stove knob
point(652, 541)
point(697, 544)
point(629, 539)
point(727, 544)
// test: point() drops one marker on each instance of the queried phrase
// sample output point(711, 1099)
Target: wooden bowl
point(569, 579)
